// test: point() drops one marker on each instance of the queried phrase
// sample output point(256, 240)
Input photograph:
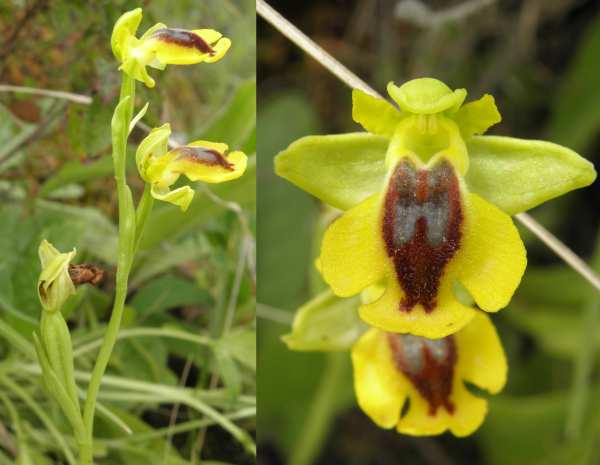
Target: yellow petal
point(137, 70)
point(219, 43)
point(352, 252)
point(181, 47)
point(492, 258)
point(218, 146)
point(446, 318)
point(181, 197)
point(200, 163)
point(380, 388)
point(469, 411)
point(482, 360)
point(220, 48)
point(210, 36)
point(418, 421)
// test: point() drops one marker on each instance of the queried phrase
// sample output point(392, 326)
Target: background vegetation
point(189, 333)
point(540, 60)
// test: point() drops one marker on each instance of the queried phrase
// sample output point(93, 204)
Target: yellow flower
point(423, 232)
point(198, 161)
point(160, 46)
point(391, 369)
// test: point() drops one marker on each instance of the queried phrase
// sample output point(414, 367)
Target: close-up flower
point(200, 160)
point(427, 203)
point(418, 385)
point(160, 46)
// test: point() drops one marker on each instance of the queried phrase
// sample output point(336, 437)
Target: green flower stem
point(120, 128)
point(142, 214)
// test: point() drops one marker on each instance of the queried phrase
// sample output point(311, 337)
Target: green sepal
point(154, 144)
point(518, 174)
point(376, 115)
point(326, 323)
point(341, 170)
point(125, 27)
point(478, 116)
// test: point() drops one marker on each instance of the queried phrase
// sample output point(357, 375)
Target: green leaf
point(325, 323)
point(229, 371)
point(518, 174)
point(575, 117)
point(168, 292)
point(341, 170)
point(241, 344)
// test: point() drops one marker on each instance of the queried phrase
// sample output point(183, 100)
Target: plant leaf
point(341, 170)
point(519, 174)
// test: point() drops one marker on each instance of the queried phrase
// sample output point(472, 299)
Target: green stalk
point(127, 218)
point(143, 211)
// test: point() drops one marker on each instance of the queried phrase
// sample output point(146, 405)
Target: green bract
point(514, 174)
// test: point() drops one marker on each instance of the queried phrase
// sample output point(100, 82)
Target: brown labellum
point(422, 228)
point(183, 38)
point(204, 156)
point(85, 273)
point(428, 364)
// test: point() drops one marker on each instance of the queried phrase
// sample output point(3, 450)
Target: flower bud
point(54, 284)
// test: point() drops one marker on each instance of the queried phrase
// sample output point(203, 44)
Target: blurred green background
point(195, 273)
point(540, 61)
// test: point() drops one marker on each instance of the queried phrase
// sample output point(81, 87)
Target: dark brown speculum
point(422, 228)
point(204, 156)
point(428, 364)
point(86, 274)
point(183, 38)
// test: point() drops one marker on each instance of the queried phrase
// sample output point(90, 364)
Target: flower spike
point(160, 46)
point(199, 161)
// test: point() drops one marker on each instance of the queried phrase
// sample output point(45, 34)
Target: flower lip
point(183, 38)
point(203, 156)
point(428, 364)
point(421, 229)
